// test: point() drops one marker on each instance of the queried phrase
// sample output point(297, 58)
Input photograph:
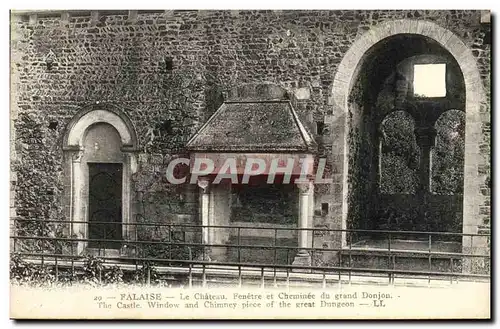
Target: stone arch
point(77, 169)
point(346, 75)
point(75, 132)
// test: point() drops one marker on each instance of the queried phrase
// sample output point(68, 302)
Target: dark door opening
point(105, 205)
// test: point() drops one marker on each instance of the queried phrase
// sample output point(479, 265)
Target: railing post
point(262, 277)
point(204, 277)
point(170, 242)
point(14, 232)
point(57, 269)
point(239, 277)
point(42, 248)
point(350, 256)
point(190, 276)
point(339, 255)
point(393, 268)
point(43, 240)
point(275, 246)
point(430, 257)
point(451, 270)
point(389, 254)
point(313, 248)
point(102, 244)
point(275, 283)
point(239, 242)
point(72, 268)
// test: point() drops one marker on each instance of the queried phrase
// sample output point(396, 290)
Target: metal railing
point(336, 254)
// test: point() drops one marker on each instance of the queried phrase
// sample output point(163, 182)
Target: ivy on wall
point(400, 154)
point(448, 154)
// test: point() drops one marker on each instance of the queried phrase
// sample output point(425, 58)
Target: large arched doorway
point(392, 114)
point(363, 51)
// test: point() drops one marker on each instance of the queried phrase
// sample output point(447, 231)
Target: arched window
point(399, 154)
point(99, 145)
point(448, 154)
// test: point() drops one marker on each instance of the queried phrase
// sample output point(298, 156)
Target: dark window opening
point(53, 125)
point(324, 209)
point(320, 127)
point(50, 64)
point(166, 127)
point(169, 64)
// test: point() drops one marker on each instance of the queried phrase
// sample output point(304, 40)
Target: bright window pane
point(429, 80)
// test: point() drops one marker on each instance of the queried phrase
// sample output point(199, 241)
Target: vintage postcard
point(250, 164)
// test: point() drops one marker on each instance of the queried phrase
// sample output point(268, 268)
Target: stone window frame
point(75, 170)
point(346, 74)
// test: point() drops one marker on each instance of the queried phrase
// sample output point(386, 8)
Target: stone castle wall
point(168, 71)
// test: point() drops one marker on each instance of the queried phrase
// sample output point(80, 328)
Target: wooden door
point(105, 205)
